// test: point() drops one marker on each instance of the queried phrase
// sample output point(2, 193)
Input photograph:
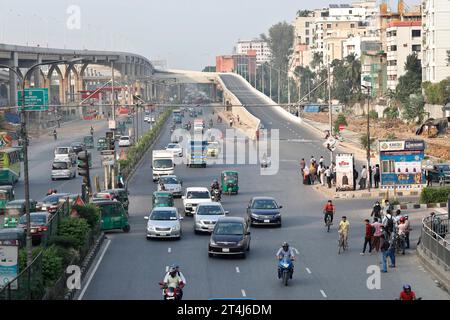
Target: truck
point(162, 163)
point(197, 153)
point(177, 116)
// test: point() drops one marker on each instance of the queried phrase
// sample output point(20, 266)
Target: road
point(132, 266)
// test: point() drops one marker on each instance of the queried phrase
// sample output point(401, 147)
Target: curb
point(417, 206)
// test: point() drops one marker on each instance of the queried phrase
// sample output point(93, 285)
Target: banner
point(9, 252)
point(344, 172)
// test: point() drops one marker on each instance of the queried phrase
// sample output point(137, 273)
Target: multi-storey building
point(403, 38)
point(261, 47)
point(436, 40)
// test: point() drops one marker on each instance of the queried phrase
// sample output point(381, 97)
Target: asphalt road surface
point(130, 267)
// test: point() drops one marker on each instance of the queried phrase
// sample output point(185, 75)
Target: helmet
point(402, 219)
point(172, 269)
point(406, 287)
point(285, 245)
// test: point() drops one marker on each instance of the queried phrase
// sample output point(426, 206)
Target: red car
point(39, 224)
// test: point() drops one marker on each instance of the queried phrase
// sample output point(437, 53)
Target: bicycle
point(342, 243)
point(328, 222)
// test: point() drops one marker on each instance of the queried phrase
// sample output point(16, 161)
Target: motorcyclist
point(180, 274)
point(216, 185)
point(55, 135)
point(51, 191)
point(92, 131)
point(376, 211)
point(285, 250)
point(211, 123)
point(329, 210)
point(162, 186)
point(407, 293)
point(173, 280)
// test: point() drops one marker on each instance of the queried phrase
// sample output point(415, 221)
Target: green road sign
point(35, 99)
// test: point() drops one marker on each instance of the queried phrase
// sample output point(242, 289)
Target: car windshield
point(229, 228)
point(161, 200)
point(3, 195)
point(172, 146)
point(76, 145)
point(35, 219)
point(163, 163)
point(51, 199)
point(264, 204)
point(59, 166)
point(231, 176)
point(444, 168)
point(169, 180)
point(198, 195)
point(163, 215)
point(210, 211)
point(62, 151)
point(124, 138)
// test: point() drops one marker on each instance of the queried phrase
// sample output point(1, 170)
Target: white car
point(147, 119)
point(172, 184)
point(207, 215)
point(175, 148)
point(63, 169)
point(64, 153)
point(124, 141)
point(194, 196)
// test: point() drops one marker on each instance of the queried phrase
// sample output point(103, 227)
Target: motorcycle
point(215, 195)
point(285, 269)
point(170, 293)
point(265, 163)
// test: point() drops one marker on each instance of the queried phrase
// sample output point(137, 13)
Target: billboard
point(344, 172)
point(9, 252)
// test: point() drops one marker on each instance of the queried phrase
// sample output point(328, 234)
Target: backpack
point(390, 224)
point(385, 246)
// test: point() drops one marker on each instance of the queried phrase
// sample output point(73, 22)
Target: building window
point(393, 48)
point(350, 11)
point(307, 41)
point(307, 24)
point(328, 25)
point(352, 25)
point(416, 47)
point(415, 33)
point(388, 166)
point(307, 32)
point(392, 62)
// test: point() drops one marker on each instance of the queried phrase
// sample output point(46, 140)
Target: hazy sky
point(186, 33)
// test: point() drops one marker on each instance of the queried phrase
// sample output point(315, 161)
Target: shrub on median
point(89, 212)
point(75, 228)
point(435, 195)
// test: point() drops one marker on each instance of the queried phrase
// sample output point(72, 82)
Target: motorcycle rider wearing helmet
point(285, 250)
point(407, 293)
point(173, 280)
point(215, 185)
point(180, 274)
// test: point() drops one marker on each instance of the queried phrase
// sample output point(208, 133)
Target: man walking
point(302, 165)
point(368, 237)
point(376, 176)
point(328, 177)
point(376, 235)
point(363, 180)
point(386, 251)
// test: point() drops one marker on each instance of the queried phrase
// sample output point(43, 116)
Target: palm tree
point(317, 60)
point(353, 72)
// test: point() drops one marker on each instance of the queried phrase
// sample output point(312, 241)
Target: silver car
point(171, 183)
point(206, 216)
point(164, 222)
point(63, 169)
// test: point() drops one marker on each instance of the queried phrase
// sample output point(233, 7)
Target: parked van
point(63, 169)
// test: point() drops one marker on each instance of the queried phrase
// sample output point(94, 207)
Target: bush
point(390, 136)
point(89, 212)
point(65, 242)
point(373, 115)
point(75, 228)
point(68, 255)
point(435, 195)
point(391, 113)
point(52, 266)
point(340, 121)
point(363, 142)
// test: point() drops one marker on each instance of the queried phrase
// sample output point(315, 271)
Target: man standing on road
point(363, 180)
point(55, 135)
point(367, 237)
point(328, 177)
point(376, 235)
point(302, 165)
point(231, 122)
point(344, 227)
point(376, 176)
point(385, 250)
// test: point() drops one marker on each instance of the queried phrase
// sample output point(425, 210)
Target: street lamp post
point(368, 135)
point(24, 134)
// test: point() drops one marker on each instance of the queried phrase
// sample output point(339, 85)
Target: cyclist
point(407, 293)
point(344, 226)
point(329, 210)
point(92, 131)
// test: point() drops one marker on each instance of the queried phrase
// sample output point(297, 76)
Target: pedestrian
point(363, 180)
point(231, 122)
point(376, 210)
point(370, 177)
point(322, 174)
point(376, 176)
point(376, 234)
point(321, 160)
point(407, 230)
point(388, 223)
point(387, 206)
point(368, 237)
point(238, 121)
point(397, 216)
point(401, 232)
point(429, 179)
point(55, 135)
point(328, 177)
point(355, 178)
point(302, 165)
point(312, 160)
point(385, 247)
point(312, 172)
point(306, 178)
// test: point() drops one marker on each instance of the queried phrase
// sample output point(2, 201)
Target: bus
point(10, 165)
point(177, 116)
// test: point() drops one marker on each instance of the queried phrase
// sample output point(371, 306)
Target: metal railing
point(433, 242)
point(54, 222)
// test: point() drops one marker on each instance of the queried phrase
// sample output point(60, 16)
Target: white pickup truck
point(162, 163)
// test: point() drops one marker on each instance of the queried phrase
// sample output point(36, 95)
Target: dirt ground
point(438, 147)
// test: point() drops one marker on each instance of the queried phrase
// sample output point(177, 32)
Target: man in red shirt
point(407, 293)
point(329, 210)
point(368, 237)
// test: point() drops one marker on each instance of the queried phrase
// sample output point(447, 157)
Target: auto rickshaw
point(114, 216)
point(101, 144)
point(14, 210)
point(6, 195)
point(162, 199)
point(229, 182)
point(89, 142)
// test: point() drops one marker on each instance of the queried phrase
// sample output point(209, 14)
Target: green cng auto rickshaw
point(89, 142)
point(162, 199)
point(6, 195)
point(101, 144)
point(114, 216)
point(229, 182)
point(14, 210)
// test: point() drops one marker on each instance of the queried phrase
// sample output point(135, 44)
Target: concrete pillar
point(123, 70)
point(14, 62)
point(37, 73)
point(62, 90)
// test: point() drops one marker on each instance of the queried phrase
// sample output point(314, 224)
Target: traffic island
point(242, 125)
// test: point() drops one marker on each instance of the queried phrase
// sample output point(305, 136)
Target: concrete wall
point(435, 110)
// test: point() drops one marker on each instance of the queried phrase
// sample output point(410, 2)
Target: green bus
point(10, 165)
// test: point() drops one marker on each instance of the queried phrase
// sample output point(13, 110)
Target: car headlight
point(255, 215)
point(176, 228)
point(278, 215)
point(241, 243)
point(212, 242)
point(150, 228)
point(188, 204)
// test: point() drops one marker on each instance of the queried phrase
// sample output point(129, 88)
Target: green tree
point(317, 60)
point(280, 41)
point(306, 80)
point(410, 83)
point(414, 108)
point(363, 141)
point(303, 13)
point(341, 120)
point(353, 70)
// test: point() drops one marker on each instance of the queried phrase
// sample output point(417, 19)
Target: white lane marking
point(323, 293)
point(309, 271)
point(237, 270)
point(95, 270)
point(169, 250)
point(167, 268)
point(243, 293)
